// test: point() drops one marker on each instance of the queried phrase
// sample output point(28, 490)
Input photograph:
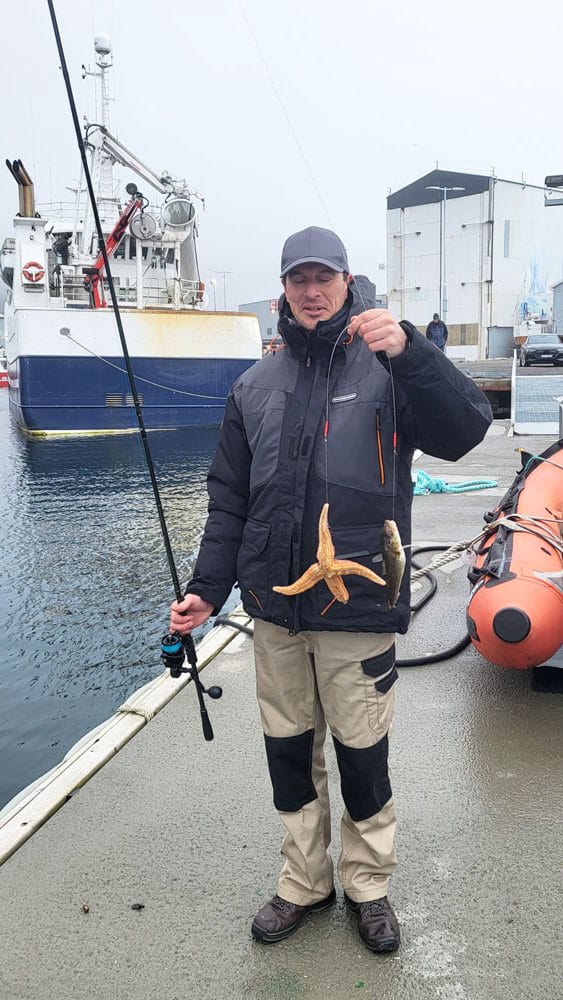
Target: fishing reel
point(175, 649)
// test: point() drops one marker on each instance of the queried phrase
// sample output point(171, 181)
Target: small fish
point(394, 559)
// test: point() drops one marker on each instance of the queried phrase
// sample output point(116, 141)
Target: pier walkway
point(186, 828)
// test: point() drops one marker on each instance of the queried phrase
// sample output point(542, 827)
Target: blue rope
point(428, 484)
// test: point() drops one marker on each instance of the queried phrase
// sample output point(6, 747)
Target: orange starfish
point(328, 568)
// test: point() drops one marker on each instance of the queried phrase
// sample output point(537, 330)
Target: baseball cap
point(314, 246)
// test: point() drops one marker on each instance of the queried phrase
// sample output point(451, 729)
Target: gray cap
point(314, 246)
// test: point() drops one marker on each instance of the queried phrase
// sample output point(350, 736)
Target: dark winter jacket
point(267, 482)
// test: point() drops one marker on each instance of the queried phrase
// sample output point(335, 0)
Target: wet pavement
point(187, 829)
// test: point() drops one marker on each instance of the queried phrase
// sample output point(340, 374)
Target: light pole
point(443, 275)
point(224, 273)
point(213, 284)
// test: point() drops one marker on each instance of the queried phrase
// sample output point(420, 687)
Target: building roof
point(417, 193)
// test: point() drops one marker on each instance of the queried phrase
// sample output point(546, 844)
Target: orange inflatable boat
point(515, 611)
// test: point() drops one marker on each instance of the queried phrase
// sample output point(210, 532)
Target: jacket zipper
point(379, 446)
point(312, 377)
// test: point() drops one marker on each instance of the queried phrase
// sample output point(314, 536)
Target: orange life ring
point(515, 611)
point(33, 271)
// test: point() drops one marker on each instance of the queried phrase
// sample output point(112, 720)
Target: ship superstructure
point(65, 366)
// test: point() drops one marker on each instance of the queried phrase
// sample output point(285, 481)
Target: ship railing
point(68, 286)
point(184, 292)
point(65, 209)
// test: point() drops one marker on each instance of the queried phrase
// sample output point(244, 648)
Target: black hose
point(420, 661)
point(225, 620)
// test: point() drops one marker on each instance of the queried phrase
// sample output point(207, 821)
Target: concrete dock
point(187, 829)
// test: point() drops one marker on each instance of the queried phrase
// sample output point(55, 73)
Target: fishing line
point(175, 651)
point(394, 405)
point(327, 213)
point(326, 426)
point(285, 114)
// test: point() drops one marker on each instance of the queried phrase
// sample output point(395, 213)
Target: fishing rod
point(175, 649)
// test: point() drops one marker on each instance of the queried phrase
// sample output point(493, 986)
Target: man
point(280, 456)
point(437, 332)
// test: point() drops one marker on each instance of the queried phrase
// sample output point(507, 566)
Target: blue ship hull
point(68, 394)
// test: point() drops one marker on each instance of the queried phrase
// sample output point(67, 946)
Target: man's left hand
point(380, 331)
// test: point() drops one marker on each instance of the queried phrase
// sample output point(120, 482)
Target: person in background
point(334, 414)
point(437, 332)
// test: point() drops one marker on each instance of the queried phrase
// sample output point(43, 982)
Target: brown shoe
point(279, 918)
point(377, 923)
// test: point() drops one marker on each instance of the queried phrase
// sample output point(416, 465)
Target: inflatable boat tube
point(515, 610)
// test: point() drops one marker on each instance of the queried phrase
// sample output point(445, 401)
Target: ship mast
point(101, 165)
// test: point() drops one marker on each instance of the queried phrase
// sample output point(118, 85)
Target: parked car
point(542, 349)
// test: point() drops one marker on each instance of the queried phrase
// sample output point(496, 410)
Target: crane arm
point(93, 275)
point(100, 137)
point(119, 153)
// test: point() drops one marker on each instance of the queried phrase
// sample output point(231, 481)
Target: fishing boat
point(66, 372)
point(515, 611)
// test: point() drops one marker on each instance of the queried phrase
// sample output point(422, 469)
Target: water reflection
point(85, 590)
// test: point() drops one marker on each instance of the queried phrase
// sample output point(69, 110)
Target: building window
point(507, 238)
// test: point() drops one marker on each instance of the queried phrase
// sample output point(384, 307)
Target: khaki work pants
point(304, 682)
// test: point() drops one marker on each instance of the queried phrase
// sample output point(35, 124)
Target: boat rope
point(146, 713)
point(510, 525)
point(537, 458)
point(139, 378)
point(440, 560)
point(426, 484)
point(506, 522)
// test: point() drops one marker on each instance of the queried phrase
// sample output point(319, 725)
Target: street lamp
point(213, 284)
point(443, 275)
point(224, 273)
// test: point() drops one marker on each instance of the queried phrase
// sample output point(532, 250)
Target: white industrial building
point(482, 252)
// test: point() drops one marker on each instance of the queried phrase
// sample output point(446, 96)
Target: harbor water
point(85, 587)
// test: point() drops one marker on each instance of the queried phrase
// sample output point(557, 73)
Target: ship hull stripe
point(66, 394)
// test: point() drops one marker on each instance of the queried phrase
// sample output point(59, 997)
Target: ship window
point(145, 252)
point(120, 251)
point(132, 248)
point(170, 256)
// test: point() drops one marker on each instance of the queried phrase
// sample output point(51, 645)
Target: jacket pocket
point(359, 446)
point(263, 415)
point(252, 563)
point(360, 544)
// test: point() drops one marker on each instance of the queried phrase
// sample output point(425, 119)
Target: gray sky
point(377, 93)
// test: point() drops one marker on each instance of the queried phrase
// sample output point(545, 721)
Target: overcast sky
point(376, 93)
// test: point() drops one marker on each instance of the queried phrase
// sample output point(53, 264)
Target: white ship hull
point(74, 382)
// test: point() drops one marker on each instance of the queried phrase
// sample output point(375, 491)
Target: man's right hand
point(188, 614)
